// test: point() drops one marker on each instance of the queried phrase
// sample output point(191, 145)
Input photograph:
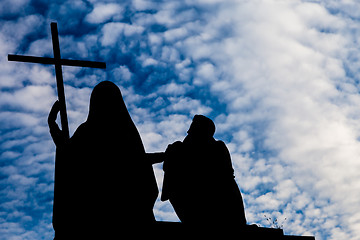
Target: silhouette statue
point(104, 184)
point(199, 179)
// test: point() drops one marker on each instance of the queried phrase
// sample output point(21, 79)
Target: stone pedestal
point(177, 230)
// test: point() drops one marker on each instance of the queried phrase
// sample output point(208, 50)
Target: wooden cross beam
point(58, 62)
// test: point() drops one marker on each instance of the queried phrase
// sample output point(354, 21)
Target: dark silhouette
point(103, 181)
point(105, 187)
point(199, 179)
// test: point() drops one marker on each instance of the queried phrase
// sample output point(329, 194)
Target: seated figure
point(199, 179)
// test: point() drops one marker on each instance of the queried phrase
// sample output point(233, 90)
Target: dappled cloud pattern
point(279, 79)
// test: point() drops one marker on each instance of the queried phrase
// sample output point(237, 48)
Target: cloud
point(286, 86)
point(104, 12)
point(143, 5)
point(31, 98)
point(280, 80)
point(113, 31)
point(9, 8)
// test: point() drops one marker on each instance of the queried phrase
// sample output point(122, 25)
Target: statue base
point(177, 230)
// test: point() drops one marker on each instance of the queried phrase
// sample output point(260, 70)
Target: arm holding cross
point(56, 134)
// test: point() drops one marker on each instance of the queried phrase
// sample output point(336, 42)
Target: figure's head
point(201, 126)
point(105, 102)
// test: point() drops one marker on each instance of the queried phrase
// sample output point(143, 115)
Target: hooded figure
point(103, 183)
point(199, 179)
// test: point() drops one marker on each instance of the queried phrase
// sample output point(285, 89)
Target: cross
point(58, 62)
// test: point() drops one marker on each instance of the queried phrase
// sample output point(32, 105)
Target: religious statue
point(199, 179)
point(103, 183)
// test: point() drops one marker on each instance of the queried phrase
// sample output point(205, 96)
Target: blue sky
point(279, 79)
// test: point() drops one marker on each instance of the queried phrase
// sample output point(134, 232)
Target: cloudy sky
point(278, 77)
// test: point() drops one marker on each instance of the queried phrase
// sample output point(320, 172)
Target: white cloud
point(15, 31)
point(114, 30)
point(176, 34)
point(13, 7)
point(143, 5)
point(32, 98)
point(173, 89)
point(41, 48)
point(279, 69)
point(149, 62)
point(122, 73)
point(157, 136)
point(104, 12)
point(279, 78)
point(14, 120)
point(188, 105)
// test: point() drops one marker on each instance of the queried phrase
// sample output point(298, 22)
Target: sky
point(279, 78)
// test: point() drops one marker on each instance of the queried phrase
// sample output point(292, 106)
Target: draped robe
point(103, 183)
point(199, 179)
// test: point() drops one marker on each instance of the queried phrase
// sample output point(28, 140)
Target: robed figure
point(199, 179)
point(103, 184)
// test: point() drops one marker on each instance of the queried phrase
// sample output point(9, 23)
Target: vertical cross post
point(59, 80)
